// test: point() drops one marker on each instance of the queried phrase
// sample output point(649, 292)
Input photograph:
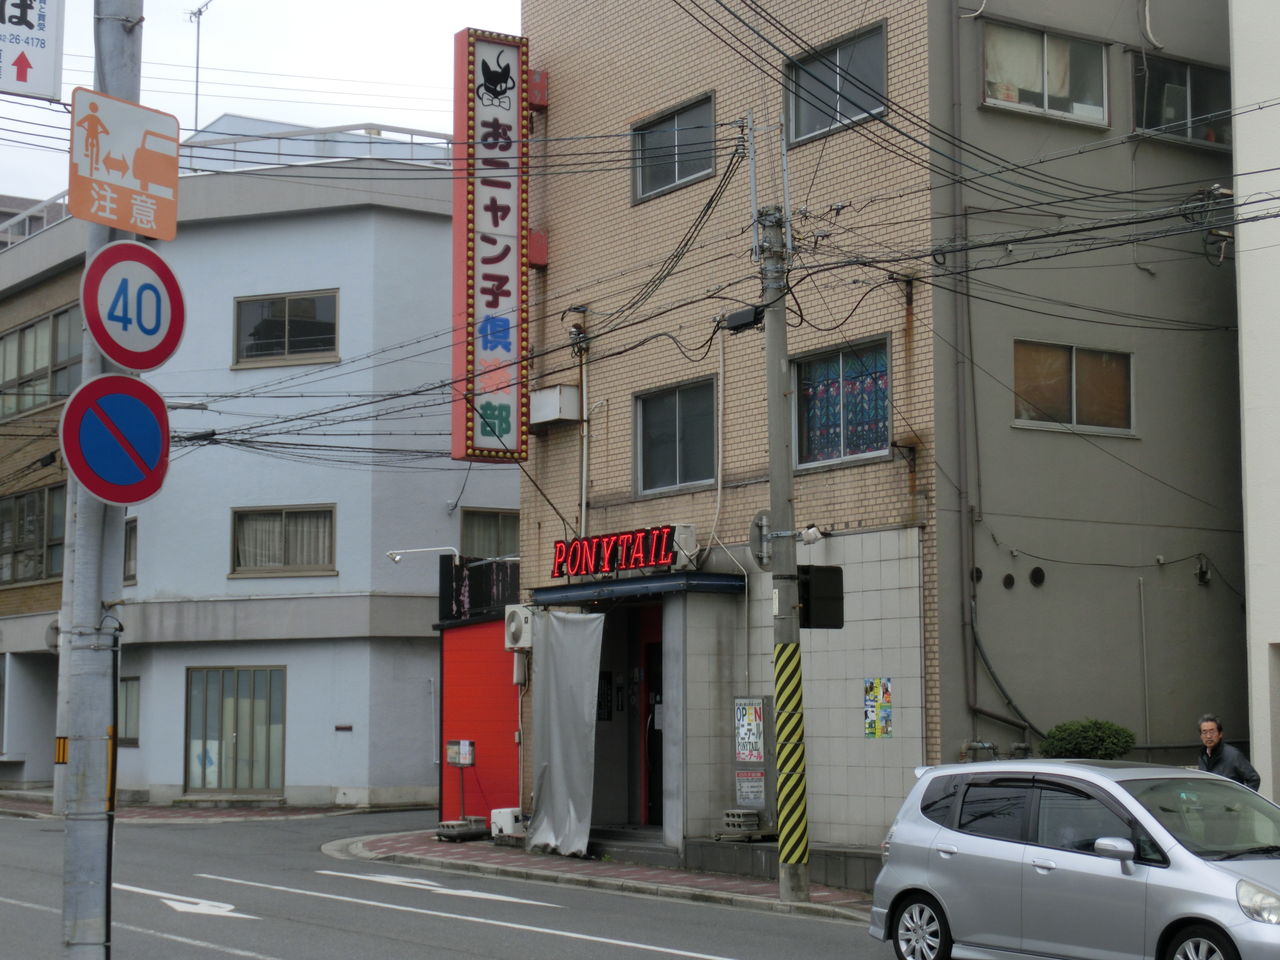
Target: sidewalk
point(421, 848)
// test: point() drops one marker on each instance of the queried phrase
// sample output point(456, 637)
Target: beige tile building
point(1012, 384)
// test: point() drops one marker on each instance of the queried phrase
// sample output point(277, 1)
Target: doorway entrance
point(629, 720)
point(235, 729)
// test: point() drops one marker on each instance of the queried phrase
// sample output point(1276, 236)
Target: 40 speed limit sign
point(132, 305)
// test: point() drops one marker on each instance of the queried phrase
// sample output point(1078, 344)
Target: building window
point(127, 712)
point(490, 533)
point(235, 729)
point(31, 532)
point(675, 149)
point(283, 540)
point(1182, 100)
point(843, 404)
point(1059, 384)
point(1044, 73)
point(677, 436)
point(40, 362)
point(840, 85)
point(130, 550)
point(295, 326)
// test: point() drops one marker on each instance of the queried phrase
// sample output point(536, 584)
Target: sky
point(309, 62)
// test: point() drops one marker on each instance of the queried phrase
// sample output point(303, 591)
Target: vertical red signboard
point(490, 247)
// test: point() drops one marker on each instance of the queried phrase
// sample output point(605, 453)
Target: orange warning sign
point(124, 165)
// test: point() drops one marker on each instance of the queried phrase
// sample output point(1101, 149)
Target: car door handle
point(1043, 866)
point(947, 849)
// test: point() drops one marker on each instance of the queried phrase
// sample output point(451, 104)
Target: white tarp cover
point(566, 668)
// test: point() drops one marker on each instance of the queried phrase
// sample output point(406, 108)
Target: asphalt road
point(266, 891)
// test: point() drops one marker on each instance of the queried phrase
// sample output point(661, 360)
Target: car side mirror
point(1116, 848)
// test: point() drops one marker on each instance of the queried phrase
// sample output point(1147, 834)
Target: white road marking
point(419, 883)
point(527, 928)
point(173, 938)
point(210, 908)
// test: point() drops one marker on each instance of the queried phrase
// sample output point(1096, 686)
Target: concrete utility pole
point(88, 641)
point(793, 816)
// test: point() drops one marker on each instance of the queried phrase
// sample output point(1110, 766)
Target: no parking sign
point(115, 438)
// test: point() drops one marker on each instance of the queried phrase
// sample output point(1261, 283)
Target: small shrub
point(1087, 739)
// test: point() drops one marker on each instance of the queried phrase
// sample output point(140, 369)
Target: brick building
point(1012, 353)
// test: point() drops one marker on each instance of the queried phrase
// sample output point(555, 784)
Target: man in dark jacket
point(1222, 758)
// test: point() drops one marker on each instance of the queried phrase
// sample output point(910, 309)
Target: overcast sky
point(312, 62)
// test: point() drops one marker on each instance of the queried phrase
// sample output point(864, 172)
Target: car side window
point(939, 799)
point(1074, 821)
point(996, 810)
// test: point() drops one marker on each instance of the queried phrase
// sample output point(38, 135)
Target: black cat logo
point(497, 81)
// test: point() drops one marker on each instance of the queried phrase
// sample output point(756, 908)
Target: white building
point(271, 649)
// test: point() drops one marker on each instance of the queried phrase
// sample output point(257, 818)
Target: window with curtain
point(127, 711)
point(130, 550)
point(1044, 73)
point(842, 404)
point(675, 149)
point(1182, 99)
point(838, 86)
point(283, 540)
point(1073, 386)
point(490, 533)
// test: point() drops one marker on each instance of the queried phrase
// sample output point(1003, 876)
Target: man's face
point(1210, 735)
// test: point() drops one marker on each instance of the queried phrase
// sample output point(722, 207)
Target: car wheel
point(920, 930)
point(1201, 943)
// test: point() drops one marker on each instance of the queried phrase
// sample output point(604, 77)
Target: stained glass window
point(843, 404)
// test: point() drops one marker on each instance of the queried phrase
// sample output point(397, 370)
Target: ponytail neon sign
point(612, 552)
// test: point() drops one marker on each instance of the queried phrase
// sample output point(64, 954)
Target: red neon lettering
point(606, 552)
point(624, 550)
point(590, 547)
point(662, 548)
point(558, 558)
point(575, 557)
point(637, 548)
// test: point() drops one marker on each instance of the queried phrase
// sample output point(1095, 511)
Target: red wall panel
point(479, 703)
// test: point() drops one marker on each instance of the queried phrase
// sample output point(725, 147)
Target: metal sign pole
point(84, 642)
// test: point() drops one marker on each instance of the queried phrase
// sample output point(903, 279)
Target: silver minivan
point(1087, 859)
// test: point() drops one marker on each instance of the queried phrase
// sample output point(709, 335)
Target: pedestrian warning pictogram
point(124, 165)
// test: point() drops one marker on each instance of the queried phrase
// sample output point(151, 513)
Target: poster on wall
point(749, 789)
point(877, 704)
point(748, 725)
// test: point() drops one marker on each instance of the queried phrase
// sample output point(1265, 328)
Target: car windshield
point(1214, 819)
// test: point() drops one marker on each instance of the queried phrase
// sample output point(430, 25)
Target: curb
point(356, 850)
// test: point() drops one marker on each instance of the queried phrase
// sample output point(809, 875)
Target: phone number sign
point(31, 48)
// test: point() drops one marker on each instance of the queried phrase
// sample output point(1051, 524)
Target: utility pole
point(793, 815)
point(86, 642)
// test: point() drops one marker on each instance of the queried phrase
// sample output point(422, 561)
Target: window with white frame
point(675, 149)
point(31, 533)
point(127, 711)
point(130, 550)
point(1058, 384)
point(676, 436)
point(490, 533)
point(1182, 99)
point(1044, 73)
point(837, 86)
point(287, 327)
point(40, 361)
point(288, 541)
point(842, 404)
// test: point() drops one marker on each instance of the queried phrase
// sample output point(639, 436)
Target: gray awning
point(691, 581)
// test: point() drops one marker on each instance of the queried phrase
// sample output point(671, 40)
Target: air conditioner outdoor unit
point(518, 631)
point(684, 544)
